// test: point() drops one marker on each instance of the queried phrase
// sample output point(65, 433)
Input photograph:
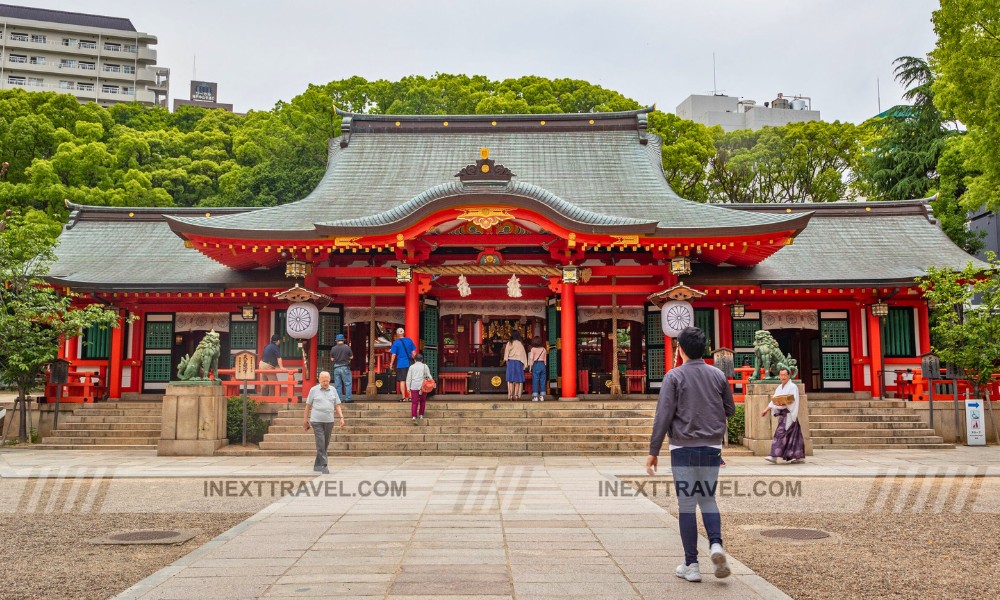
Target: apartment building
point(95, 58)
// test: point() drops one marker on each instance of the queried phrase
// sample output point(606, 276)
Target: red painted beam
point(356, 272)
point(364, 290)
point(588, 290)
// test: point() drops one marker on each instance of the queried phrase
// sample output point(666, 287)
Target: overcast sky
point(651, 50)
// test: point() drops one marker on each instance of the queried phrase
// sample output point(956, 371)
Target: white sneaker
point(796, 461)
point(770, 459)
point(689, 572)
point(534, 398)
point(719, 560)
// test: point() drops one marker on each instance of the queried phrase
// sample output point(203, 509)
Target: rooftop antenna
point(878, 94)
point(715, 86)
point(194, 67)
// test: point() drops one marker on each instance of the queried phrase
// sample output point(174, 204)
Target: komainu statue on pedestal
point(204, 361)
point(768, 359)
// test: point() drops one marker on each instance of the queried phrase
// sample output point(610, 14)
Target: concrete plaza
point(467, 527)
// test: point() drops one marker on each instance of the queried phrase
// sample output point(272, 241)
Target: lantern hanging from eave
point(302, 320)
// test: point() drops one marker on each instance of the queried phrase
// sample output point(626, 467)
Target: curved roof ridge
point(495, 117)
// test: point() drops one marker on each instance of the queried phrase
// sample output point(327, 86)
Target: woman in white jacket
point(788, 442)
point(415, 378)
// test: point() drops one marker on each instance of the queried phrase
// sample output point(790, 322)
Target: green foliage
point(256, 426)
point(33, 316)
point(901, 161)
point(687, 149)
point(966, 336)
point(798, 162)
point(737, 425)
point(967, 62)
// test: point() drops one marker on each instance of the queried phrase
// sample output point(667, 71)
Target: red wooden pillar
point(875, 352)
point(138, 350)
point(668, 354)
point(858, 351)
point(115, 362)
point(568, 315)
point(71, 348)
point(924, 328)
point(263, 329)
point(725, 329)
point(412, 304)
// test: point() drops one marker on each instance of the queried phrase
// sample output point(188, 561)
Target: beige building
point(733, 114)
point(95, 58)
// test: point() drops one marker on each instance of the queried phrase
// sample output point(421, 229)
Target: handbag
point(428, 385)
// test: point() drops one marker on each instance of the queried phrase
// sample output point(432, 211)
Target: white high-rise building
point(732, 113)
point(95, 58)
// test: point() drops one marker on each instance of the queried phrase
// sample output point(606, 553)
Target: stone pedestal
point(194, 419)
point(759, 430)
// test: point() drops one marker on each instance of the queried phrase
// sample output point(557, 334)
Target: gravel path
point(899, 545)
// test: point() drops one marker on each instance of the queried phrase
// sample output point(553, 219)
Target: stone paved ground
point(467, 527)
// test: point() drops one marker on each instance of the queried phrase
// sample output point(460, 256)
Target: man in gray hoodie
point(694, 403)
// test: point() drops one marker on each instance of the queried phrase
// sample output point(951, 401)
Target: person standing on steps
point(788, 443)
point(538, 363)
point(516, 358)
point(695, 401)
point(320, 405)
point(341, 356)
point(401, 354)
point(415, 378)
point(270, 359)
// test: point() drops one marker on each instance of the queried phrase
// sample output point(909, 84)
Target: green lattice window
point(431, 360)
point(330, 324)
point(743, 332)
point(655, 368)
point(96, 342)
point(833, 333)
point(243, 335)
point(156, 368)
point(289, 346)
point(897, 333)
point(743, 359)
point(704, 319)
point(836, 366)
point(159, 335)
point(654, 328)
point(553, 363)
point(552, 325)
point(429, 325)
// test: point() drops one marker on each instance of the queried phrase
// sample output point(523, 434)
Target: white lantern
point(302, 320)
point(675, 316)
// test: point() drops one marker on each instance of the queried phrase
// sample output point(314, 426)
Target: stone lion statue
point(768, 359)
point(204, 361)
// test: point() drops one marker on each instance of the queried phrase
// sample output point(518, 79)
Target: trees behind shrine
point(130, 155)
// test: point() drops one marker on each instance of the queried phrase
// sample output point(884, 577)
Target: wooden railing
point(287, 390)
point(80, 386)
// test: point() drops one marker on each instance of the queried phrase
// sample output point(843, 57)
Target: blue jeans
point(696, 476)
point(342, 381)
point(539, 371)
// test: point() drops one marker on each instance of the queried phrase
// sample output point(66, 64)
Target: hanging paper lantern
point(302, 320)
point(675, 316)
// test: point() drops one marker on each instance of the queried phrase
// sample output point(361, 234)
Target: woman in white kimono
point(788, 443)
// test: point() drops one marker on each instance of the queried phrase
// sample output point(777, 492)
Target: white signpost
point(975, 425)
point(245, 370)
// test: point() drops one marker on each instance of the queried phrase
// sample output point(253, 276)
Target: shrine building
point(462, 229)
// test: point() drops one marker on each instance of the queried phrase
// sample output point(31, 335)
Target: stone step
point(870, 432)
point(125, 404)
point(908, 446)
point(863, 419)
point(118, 419)
point(101, 440)
point(839, 441)
point(435, 427)
point(59, 446)
point(482, 422)
point(118, 412)
point(487, 414)
point(420, 434)
point(859, 411)
point(129, 432)
point(815, 404)
point(460, 448)
point(863, 425)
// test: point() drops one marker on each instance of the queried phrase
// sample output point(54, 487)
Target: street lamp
point(680, 265)
point(737, 310)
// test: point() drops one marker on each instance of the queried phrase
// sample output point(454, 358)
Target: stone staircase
point(869, 425)
point(477, 428)
point(107, 426)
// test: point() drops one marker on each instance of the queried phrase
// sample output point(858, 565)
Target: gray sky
point(649, 50)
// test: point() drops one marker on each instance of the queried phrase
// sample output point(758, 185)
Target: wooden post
point(412, 304)
point(875, 353)
point(568, 315)
point(616, 386)
point(372, 389)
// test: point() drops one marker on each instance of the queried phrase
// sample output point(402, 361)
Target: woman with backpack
point(418, 380)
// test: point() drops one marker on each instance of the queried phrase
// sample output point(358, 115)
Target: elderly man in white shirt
point(788, 443)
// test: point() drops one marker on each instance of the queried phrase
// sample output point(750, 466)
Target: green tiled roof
point(601, 177)
point(845, 244)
